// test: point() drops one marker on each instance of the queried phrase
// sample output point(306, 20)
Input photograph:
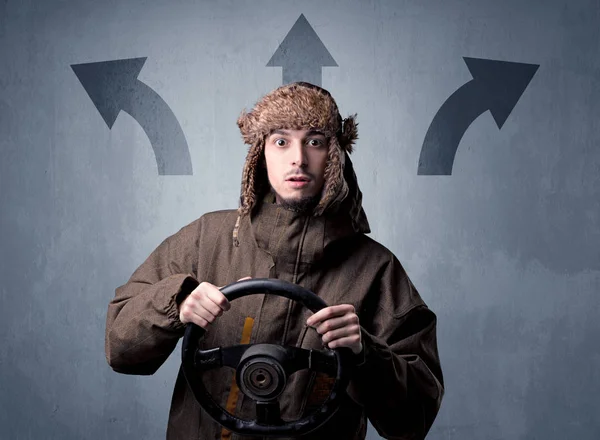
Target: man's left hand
point(339, 327)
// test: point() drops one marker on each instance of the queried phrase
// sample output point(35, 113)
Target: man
point(301, 220)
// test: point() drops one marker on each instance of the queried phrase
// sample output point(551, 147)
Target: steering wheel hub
point(261, 379)
point(260, 373)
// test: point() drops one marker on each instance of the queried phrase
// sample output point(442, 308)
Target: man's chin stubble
point(304, 205)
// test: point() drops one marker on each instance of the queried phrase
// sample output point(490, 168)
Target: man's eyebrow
point(309, 133)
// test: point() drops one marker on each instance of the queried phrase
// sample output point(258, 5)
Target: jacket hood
point(298, 106)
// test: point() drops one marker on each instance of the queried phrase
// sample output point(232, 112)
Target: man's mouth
point(298, 179)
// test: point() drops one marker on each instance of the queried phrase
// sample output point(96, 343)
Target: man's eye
point(280, 142)
point(315, 142)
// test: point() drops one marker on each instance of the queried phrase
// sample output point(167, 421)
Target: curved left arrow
point(114, 86)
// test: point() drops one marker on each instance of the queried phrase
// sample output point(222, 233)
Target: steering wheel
point(262, 369)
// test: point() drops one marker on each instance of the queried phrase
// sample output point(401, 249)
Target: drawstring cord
point(236, 228)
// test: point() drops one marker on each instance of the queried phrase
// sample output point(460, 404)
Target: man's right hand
point(205, 304)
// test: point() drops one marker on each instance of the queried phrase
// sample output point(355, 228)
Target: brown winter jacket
point(398, 384)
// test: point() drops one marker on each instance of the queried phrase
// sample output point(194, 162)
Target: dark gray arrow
point(496, 86)
point(114, 86)
point(301, 54)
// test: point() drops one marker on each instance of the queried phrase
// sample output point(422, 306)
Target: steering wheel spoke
point(231, 355)
point(205, 360)
point(268, 413)
point(301, 358)
point(218, 357)
point(323, 361)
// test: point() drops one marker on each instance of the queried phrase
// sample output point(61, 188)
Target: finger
point(207, 303)
point(203, 289)
point(200, 302)
point(201, 299)
point(335, 323)
point(329, 312)
point(348, 341)
point(340, 333)
point(197, 308)
point(206, 314)
point(200, 321)
point(217, 298)
point(189, 314)
point(241, 279)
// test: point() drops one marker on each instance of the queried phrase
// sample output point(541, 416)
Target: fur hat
point(295, 106)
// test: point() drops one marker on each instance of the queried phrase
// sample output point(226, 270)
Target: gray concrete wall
point(504, 248)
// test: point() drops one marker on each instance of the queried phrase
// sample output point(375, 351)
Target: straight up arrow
point(302, 54)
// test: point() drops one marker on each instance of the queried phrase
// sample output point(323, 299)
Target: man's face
point(296, 161)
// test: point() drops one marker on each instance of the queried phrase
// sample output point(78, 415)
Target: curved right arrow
point(496, 86)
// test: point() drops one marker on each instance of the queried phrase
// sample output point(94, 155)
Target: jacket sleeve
point(142, 324)
point(398, 378)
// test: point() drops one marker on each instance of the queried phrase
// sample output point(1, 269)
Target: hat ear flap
point(252, 185)
point(335, 188)
point(349, 133)
point(247, 125)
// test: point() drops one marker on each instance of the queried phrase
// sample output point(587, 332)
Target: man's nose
point(298, 154)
